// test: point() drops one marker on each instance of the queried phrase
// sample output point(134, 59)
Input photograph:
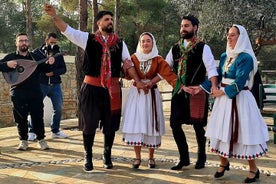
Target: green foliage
point(160, 17)
point(216, 15)
point(70, 5)
point(12, 21)
point(153, 16)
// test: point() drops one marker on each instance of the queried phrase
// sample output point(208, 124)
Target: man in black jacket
point(50, 83)
point(26, 96)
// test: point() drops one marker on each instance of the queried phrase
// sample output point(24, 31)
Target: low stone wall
point(69, 88)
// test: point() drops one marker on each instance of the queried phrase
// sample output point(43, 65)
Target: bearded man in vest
point(191, 59)
point(100, 95)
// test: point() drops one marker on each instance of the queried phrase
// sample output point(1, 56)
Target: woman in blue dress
point(236, 128)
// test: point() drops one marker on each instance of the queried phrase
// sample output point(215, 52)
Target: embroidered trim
point(243, 157)
point(130, 143)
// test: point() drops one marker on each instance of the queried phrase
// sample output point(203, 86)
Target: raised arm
point(50, 10)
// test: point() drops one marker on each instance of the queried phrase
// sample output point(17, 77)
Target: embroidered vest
point(93, 57)
point(196, 70)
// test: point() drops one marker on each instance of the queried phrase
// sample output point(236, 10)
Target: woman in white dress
point(236, 128)
point(143, 118)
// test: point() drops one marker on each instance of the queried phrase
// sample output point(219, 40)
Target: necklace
point(228, 64)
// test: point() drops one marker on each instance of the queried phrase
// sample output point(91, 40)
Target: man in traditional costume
point(100, 95)
point(191, 59)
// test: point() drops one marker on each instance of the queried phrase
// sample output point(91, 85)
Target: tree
point(29, 26)
point(117, 27)
point(154, 16)
point(12, 21)
point(80, 52)
point(216, 15)
point(95, 9)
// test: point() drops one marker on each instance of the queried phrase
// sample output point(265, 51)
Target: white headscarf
point(139, 52)
point(243, 45)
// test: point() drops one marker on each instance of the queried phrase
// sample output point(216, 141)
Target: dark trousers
point(24, 105)
point(180, 115)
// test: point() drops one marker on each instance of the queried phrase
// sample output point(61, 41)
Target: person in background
point(143, 118)
point(50, 84)
point(26, 96)
point(236, 128)
point(191, 59)
point(100, 95)
point(274, 129)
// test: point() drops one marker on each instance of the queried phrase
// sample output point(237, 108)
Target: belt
point(224, 85)
point(96, 81)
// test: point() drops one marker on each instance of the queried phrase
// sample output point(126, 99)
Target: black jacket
point(31, 85)
point(58, 68)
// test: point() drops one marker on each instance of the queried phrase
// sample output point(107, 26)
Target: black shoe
point(88, 166)
point(199, 165)
point(107, 163)
point(251, 180)
point(136, 163)
point(180, 165)
point(225, 167)
point(151, 163)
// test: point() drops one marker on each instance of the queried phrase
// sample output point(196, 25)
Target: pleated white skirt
point(139, 127)
point(252, 131)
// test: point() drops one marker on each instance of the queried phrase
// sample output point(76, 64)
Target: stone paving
point(62, 163)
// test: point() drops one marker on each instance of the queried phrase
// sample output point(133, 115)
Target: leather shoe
point(151, 163)
point(225, 167)
point(107, 163)
point(251, 180)
point(88, 166)
point(136, 163)
point(180, 165)
point(200, 165)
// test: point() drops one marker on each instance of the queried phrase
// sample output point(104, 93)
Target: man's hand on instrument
point(12, 64)
point(51, 60)
point(49, 74)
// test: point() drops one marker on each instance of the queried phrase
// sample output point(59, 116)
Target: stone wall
point(69, 89)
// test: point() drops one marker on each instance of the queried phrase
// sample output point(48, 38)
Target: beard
point(187, 35)
point(23, 48)
point(108, 29)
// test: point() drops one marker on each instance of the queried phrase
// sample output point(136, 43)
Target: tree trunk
point(117, 27)
point(80, 52)
point(29, 29)
point(95, 12)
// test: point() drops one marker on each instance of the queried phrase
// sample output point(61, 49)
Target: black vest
point(196, 71)
point(93, 57)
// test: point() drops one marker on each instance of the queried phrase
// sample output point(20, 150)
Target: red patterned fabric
point(106, 57)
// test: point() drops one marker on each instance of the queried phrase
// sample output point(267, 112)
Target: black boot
point(182, 146)
point(201, 142)
point(88, 141)
point(108, 142)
